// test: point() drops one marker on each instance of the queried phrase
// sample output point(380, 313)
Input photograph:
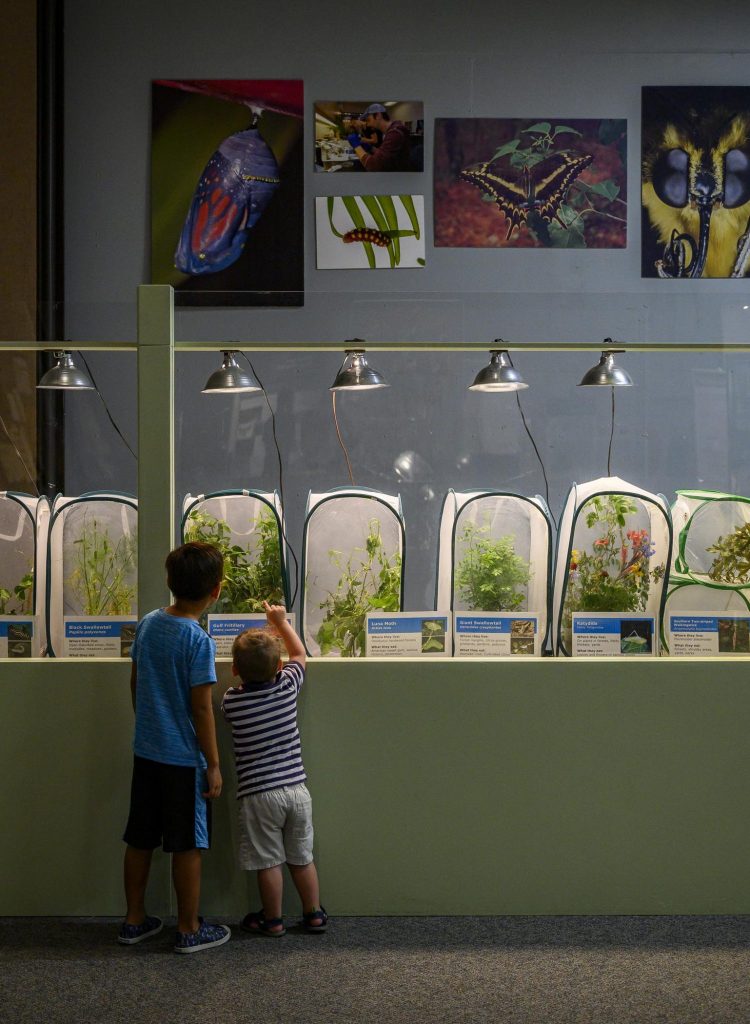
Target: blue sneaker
point(208, 935)
point(132, 933)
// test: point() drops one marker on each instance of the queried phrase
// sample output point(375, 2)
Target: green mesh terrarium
point(495, 554)
point(613, 553)
point(352, 564)
point(92, 560)
point(710, 572)
point(246, 526)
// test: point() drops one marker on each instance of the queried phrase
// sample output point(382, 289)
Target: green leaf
point(540, 126)
point(507, 147)
point(420, 261)
point(412, 214)
point(338, 234)
point(607, 188)
point(562, 129)
point(350, 203)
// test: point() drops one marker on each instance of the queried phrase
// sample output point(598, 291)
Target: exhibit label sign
point(96, 636)
point(698, 634)
point(224, 628)
point(613, 634)
point(495, 634)
point(18, 638)
point(407, 634)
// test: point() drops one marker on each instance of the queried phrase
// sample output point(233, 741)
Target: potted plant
point(252, 574)
point(490, 577)
point(732, 562)
point(615, 575)
point(19, 597)
point(368, 583)
point(102, 577)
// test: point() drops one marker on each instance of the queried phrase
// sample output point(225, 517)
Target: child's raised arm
point(276, 615)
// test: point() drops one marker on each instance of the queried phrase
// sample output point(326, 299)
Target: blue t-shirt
point(172, 655)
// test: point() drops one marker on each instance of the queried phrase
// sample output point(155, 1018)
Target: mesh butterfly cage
point(247, 527)
point(352, 563)
point(710, 571)
point(92, 561)
point(613, 552)
point(23, 540)
point(495, 555)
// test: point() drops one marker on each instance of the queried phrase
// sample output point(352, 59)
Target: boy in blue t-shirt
point(176, 758)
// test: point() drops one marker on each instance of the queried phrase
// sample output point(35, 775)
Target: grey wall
point(489, 59)
point(681, 427)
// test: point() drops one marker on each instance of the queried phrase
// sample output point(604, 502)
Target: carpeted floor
point(528, 970)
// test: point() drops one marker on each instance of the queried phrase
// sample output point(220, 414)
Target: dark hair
point(194, 569)
point(256, 654)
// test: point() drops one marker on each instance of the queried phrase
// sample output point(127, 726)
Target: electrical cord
point(544, 473)
point(341, 440)
point(281, 477)
point(611, 436)
point(109, 414)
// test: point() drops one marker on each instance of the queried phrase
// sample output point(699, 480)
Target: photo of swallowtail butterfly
point(530, 183)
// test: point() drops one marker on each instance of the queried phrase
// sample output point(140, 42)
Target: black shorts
point(167, 808)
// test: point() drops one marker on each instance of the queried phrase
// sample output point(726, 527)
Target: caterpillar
point(367, 235)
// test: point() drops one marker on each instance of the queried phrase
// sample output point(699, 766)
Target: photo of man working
point(393, 152)
point(352, 136)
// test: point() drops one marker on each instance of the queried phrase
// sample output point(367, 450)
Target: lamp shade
point(65, 375)
point(230, 378)
point(607, 373)
point(356, 372)
point(499, 375)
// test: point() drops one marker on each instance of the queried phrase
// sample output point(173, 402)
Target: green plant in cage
point(103, 574)
point(252, 574)
point(490, 577)
point(366, 584)
point(20, 597)
point(616, 574)
point(732, 561)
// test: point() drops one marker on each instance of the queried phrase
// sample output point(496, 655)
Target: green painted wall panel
point(439, 788)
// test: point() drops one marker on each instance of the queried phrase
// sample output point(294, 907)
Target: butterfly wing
point(552, 178)
point(236, 186)
point(510, 196)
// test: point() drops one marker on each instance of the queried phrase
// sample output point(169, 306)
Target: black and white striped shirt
point(263, 717)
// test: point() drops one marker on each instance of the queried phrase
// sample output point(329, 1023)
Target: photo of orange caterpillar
point(367, 235)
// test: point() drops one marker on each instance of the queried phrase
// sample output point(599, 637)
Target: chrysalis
point(234, 190)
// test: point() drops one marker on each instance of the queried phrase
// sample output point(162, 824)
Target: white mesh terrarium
point(23, 541)
point(352, 563)
point(495, 554)
point(92, 560)
point(613, 552)
point(246, 526)
point(710, 571)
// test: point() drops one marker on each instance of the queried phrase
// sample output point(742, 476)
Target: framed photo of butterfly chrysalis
point(369, 232)
point(543, 183)
point(227, 191)
point(695, 187)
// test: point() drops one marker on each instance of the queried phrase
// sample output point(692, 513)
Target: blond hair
point(256, 654)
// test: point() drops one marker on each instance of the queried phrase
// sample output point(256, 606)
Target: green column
point(156, 499)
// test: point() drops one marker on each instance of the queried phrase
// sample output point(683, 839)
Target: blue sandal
point(257, 923)
point(315, 921)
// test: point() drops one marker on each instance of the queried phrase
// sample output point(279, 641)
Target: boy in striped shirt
point(275, 810)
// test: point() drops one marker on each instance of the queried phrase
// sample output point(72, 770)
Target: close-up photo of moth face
point(696, 182)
